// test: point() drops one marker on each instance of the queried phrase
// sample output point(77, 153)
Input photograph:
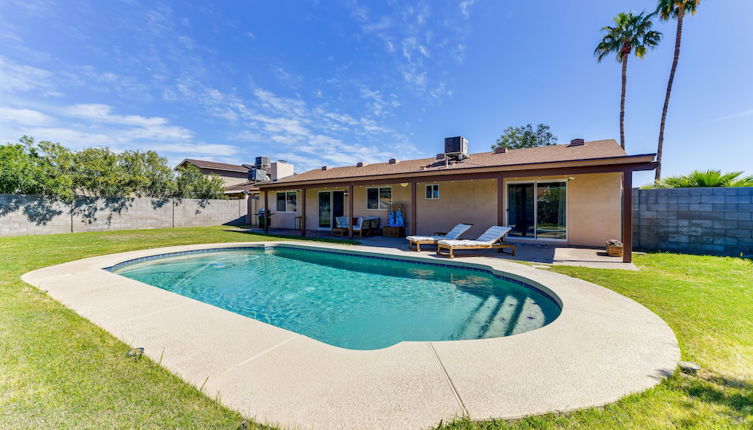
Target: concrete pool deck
point(603, 346)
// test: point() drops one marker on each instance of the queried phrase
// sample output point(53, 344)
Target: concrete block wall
point(23, 214)
point(716, 221)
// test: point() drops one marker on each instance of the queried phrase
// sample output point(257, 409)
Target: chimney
point(281, 169)
point(324, 167)
point(577, 142)
point(500, 150)
point(359, 164)
point(393, 161)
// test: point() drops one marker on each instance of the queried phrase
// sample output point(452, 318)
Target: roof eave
point(629, 159)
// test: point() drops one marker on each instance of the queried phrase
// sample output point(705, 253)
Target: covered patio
point(542, 255)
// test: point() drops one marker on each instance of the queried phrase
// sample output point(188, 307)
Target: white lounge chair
point(491, 239)
point(453, 234)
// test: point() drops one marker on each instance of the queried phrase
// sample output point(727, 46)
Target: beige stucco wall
point(593, 206)
point(473, 202)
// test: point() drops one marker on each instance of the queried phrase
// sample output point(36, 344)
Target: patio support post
point(351, 197)
point(627, 216)
point(500, 200)
point(413, 205)
point(303, 212)
point(266, 209)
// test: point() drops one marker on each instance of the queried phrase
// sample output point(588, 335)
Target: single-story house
point(569, 194)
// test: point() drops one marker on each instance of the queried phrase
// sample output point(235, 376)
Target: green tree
point(667, 10)
point(42, 168)
point(98, 173)
point(631, 33)
point(147, 174)
point(525, 137)
point(707, 178)
point(192, 184)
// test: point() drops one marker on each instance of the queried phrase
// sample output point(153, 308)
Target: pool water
point(351, 301)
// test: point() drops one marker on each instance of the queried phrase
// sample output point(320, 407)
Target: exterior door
point(331, 206)
point(537, 210)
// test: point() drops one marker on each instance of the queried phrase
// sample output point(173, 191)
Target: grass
point(57, 370)
point(708, 302)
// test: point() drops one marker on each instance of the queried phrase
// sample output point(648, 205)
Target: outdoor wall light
point(570, 178)
point(403, 184)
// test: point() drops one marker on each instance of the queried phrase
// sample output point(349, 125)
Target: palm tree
point(707, 178)
point(632, 33)
point(667, 10)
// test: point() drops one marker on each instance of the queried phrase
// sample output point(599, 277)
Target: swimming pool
point(350, 300)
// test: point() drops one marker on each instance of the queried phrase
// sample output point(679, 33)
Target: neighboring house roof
point(607, 150)
point(202, 164)
point(246, 186)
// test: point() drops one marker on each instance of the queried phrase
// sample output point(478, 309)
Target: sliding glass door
point(331, 206)
point(537, 210)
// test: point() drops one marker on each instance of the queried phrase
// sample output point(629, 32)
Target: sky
point(336, 82)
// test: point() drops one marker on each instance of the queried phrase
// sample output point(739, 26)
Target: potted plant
point(614, 248)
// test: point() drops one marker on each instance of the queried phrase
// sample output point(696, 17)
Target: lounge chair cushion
point(456, 232)
point(465, 242)
point(424, 238)
point(492, 235)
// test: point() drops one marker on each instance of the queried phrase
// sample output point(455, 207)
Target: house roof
point(246, 186)
point(598, 151)
point(202, 164)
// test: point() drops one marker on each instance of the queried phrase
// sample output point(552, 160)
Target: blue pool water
point(351, 301)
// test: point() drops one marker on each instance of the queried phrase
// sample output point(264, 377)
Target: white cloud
point(23, 116)
point(736, 115)
point(16, 78)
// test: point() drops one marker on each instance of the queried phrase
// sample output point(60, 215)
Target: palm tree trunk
point(622, 99)
point(678, 40)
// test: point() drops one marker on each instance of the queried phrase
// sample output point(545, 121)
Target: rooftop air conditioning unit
point(263, 163)
point(456, 147)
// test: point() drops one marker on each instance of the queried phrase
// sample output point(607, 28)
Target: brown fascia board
point(645, 160)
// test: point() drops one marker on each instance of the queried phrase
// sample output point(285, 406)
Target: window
point(378, 198)
point(286, 202)
point(432, 191)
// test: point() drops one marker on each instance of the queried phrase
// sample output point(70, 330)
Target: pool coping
point(602, 346)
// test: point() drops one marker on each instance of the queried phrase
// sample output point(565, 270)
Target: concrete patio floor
point(595, 258)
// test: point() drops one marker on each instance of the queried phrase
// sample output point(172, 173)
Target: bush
point(49, 169)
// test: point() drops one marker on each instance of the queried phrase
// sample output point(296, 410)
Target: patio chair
point(361, 227)
point(491, 239)
point(453, 234)
point(341, 226)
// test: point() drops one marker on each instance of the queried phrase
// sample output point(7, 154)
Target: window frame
point(287, 195)
point(379, 199)
point(430, 195)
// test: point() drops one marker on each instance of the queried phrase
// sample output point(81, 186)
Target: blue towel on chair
point(399, 222)
point(391, 219)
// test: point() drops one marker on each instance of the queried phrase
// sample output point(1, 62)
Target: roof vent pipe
point(393, 161)
point(324, 167)
point(359, 164)
point(577, 142)
point(500, 150)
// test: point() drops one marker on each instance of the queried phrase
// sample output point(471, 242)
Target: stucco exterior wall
point(594, 205)
point(472, 202)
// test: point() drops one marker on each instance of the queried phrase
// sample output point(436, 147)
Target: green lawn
point(57, 370)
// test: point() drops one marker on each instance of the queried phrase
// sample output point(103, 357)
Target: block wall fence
point(716, 221)
point(27, 214)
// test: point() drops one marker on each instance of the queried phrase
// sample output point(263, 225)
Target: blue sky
point(327, 82)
